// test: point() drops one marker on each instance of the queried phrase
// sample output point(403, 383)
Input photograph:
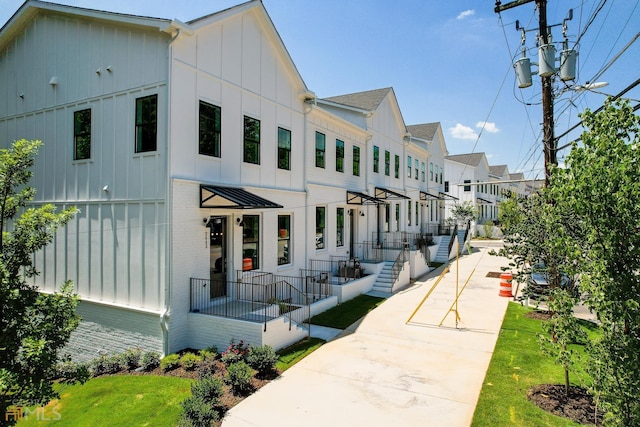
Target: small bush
point(71, 372)
point(209, 353)
point(263, 359)
point(204, 405)
point(150, 360)
point(131, 358)
point(190, 361)
point(105, 364)
point(235, 353)
point(239, 378)
point(170, 362)
point(207, 368)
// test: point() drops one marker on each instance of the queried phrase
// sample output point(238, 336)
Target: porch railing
point(342, 269)
point(317, 283)
point(398, 264)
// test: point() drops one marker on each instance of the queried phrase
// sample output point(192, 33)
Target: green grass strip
point(289, 356)
point(347, 313)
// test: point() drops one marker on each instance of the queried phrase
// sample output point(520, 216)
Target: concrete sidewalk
point(384, 371)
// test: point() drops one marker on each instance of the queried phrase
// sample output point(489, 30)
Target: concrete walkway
point(386, 371)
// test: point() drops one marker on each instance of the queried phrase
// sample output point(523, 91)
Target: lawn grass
point(516, 365)
point(119, 400)
point(291, 355)
point(347, 313)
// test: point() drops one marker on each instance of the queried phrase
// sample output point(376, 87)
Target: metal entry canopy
point(356, 198)
point(216, 196)
point(383, 193)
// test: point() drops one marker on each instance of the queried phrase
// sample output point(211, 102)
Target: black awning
point(215, 196)
point(484, 201)
point(356, 198)
point(446, 196)
point(383, 193)
point(428, 196)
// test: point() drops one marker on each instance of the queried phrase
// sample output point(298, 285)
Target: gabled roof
point(368, 100)
point(516, 176)
point(426, 131)
point(471, 159)
point(498, 170)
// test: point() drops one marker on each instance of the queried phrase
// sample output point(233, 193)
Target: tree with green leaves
point(601, 185)
point(34, 326)
point(464, 212)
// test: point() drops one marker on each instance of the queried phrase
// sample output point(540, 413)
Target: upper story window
point(209, 129)
point(446, 186)
point(356, 160)
point(437, 168)
point(387, 163)
point(467, 187)
point(320, 149)
point(397, 167)
point(376, 159)
point(430, 171)
point(146, 124)
point(409, 163)
point(422, 171)
point(415, 167)
point(339, 155)
point(284, 149)
point(441, 171)
point(251, 140)
point(82, 134)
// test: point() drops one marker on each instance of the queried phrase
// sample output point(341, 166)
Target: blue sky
point(448, 61)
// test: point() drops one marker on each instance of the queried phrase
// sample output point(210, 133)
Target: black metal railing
point(342, 269)
point(398, 264)
point(453, 235)
point(317, 283)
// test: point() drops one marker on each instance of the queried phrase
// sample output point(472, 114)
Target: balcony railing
point(342, 269)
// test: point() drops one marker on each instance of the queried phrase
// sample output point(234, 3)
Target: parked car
point(539, 282)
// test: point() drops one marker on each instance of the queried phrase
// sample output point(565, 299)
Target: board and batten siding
point(115, 248)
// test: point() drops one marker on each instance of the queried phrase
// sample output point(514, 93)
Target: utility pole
point(548, 140)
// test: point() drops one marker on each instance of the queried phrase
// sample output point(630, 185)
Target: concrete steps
point(384, 282)
point(443, 250)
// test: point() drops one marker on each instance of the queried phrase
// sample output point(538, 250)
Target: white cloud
point(463, 132)
point(466, 13)
point(488, 126)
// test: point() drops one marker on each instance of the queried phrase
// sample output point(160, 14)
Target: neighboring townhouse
point(499, 190)
point(467, 178)
point(517, 184)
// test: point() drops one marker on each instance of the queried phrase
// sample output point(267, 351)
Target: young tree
point(35, 326)
point(463, 213)
point(601, 185)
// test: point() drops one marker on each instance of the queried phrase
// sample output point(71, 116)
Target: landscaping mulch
point(578, 405)
point(539, 315)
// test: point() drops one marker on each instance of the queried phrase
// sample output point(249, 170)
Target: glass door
point(218, 256)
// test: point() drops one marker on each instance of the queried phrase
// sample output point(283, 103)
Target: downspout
point(166, 312)
point(307, 107)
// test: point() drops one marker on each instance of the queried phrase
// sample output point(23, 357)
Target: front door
point(218, 256)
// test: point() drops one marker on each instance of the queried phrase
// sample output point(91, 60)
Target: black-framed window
point(284, 149)
point(397, 167)
point(147, 123)
point(446, 186)
point(409, 212)
point(339, 155)
point(409, 164)
point(467, 187)
point(356, 160)
point(321, 146)
point(251, 242)
point(387, 163)
point(251, 140)
point(387, 217)
point(415, 167)
point(397, 216)
point(284, 239)
point(82, 134)
point(417, 214)
point(320, 226)
point(436, 168)
point(209, 129)
point(430, 171)
point(422, 171)
point(376, 159)
point(339, 227)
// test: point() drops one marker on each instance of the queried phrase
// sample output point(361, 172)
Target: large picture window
point(251, 140)
point(284, 239)
point(251, 242)
point(146, 124)
point(339, 155)
point(209, 130)
point(320, 149)
point(284, 149)
point(82, 134)
point(320, 226)
point(340, 227)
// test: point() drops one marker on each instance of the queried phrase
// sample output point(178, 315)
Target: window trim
point(140, 126)
point(285, 149)
point(397, 166)
point(77, 135)
point(322, 151)
point(355, 162)
point(246, 140)
point(339, 155)
point(217, 145)
point(376, 159)
point(286, 238)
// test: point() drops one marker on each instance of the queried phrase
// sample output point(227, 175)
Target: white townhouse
point(517, 184)
point(467, 177)
point(435, 196)
point(182, 145)
point(499, 182)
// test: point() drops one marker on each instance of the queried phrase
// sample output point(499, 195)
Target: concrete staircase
point(443, 250)
point(384, 283)
point(461, 246)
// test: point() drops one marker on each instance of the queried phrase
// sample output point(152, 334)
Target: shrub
point(263, 359)
point(207, 368)
point(71, 372)
point(239, 378)
point(235, 353)
point(131, 358)
point(209, 352)
point(204, 405)
point(170, 362)
point(150, 360)
point(105, 364)
point(190, 361)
